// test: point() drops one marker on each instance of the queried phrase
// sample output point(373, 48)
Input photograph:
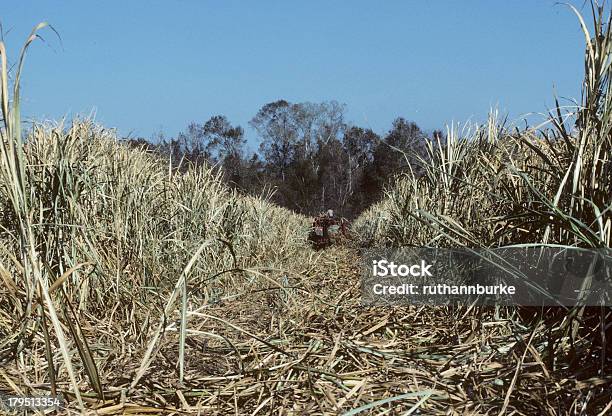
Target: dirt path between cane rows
point(311, 347)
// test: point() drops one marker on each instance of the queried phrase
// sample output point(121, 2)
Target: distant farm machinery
point(327, 230)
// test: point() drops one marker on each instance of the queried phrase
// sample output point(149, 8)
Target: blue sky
point(146, 66)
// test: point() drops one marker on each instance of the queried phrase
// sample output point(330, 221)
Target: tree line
point(310, 159)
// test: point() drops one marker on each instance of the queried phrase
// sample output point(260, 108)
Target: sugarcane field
point(306, 208)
